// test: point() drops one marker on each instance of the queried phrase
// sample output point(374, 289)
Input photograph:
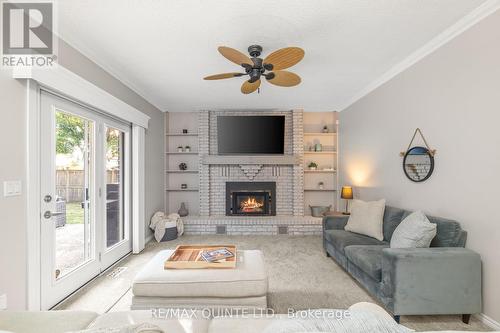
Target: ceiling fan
point(271, 67)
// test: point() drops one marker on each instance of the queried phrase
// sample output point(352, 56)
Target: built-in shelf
point(320, 152)
point(174, 125)
point(319, 190)
point(181, 134)
point(319, 171)
point(320, 134)
point(182, 190)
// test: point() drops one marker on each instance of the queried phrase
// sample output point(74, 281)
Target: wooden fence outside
point(70, 184)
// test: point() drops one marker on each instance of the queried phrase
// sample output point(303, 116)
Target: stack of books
point(216, 255)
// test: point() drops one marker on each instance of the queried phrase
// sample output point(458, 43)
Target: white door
point(85, 210)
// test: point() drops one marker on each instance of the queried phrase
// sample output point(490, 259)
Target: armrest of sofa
point(444, 280)
point(336, 222)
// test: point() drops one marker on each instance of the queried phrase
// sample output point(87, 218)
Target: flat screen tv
point(251, 135)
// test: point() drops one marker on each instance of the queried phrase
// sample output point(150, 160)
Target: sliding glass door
point(85, 210)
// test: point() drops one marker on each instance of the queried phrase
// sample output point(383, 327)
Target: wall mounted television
point(251, 135)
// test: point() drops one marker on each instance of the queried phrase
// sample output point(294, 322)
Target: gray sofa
point(442, 279)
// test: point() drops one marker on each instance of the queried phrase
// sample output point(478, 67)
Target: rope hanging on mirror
point(431, 151)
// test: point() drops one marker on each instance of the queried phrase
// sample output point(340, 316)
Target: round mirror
point(418, 164)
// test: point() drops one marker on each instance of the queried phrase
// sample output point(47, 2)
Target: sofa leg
point(466, 318)
point(397, 318)
point(327, 254)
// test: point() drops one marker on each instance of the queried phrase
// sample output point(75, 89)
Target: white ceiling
point(163, 49)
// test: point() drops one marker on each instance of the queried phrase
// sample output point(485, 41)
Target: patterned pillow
point(413, 232)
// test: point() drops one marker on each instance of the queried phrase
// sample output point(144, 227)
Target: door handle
point(48, 214)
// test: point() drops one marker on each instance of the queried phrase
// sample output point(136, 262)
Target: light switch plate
point(12, 188)
point(3, 302)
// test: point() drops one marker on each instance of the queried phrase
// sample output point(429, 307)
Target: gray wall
point(12, 167)
point(13, 164)
point(453, 96)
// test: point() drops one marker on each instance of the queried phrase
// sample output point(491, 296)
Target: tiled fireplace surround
point(286, 171)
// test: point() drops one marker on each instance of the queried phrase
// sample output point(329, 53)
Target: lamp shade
point(346, 192)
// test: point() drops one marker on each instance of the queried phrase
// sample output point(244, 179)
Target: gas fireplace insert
point(251, 198)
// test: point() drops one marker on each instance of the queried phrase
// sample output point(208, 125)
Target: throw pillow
point(414, 231)
point(367, 218)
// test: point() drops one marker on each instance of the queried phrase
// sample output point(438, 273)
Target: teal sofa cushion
point(368, 258)
point(392, 218)
point(449, 233)
point(341, 238)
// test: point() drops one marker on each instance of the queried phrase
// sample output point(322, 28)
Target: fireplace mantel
point(251, 160)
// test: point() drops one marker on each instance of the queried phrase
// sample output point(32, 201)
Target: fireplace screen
point(250, 198)
point(251, 202)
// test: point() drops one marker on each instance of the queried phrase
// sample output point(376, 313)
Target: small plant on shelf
point(325, 129)
point(321, 185)
point(312, 166)
point(180, 149)
point(187, 149)
point(183, 166)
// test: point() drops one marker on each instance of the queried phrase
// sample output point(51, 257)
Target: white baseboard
point(488, 321)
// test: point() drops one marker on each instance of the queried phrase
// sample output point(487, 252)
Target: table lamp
point(346, 194)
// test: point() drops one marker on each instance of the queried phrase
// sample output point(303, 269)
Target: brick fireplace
point(284, 171)
point(276, 181)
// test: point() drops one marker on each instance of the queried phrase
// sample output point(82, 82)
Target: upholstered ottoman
point(244, 287)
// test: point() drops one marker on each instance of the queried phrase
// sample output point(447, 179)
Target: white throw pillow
point(367, 218)
point(414, 231)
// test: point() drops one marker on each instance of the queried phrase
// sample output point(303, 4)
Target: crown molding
point(465, 23)
point(85, 51)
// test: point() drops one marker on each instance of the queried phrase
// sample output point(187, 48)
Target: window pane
point(74, 154)
point(115, 231)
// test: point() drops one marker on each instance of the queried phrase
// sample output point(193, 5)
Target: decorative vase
point(318, 147)
point(183, 211)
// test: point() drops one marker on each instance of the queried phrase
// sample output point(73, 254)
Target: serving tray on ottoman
point(189, 257)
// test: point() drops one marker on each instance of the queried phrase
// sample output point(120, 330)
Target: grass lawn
point(74, 213)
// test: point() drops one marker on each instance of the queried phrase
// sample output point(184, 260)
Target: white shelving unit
point(175, 123)
point(327, 160)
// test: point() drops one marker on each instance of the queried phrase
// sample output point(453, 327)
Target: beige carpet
point(300, 277)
